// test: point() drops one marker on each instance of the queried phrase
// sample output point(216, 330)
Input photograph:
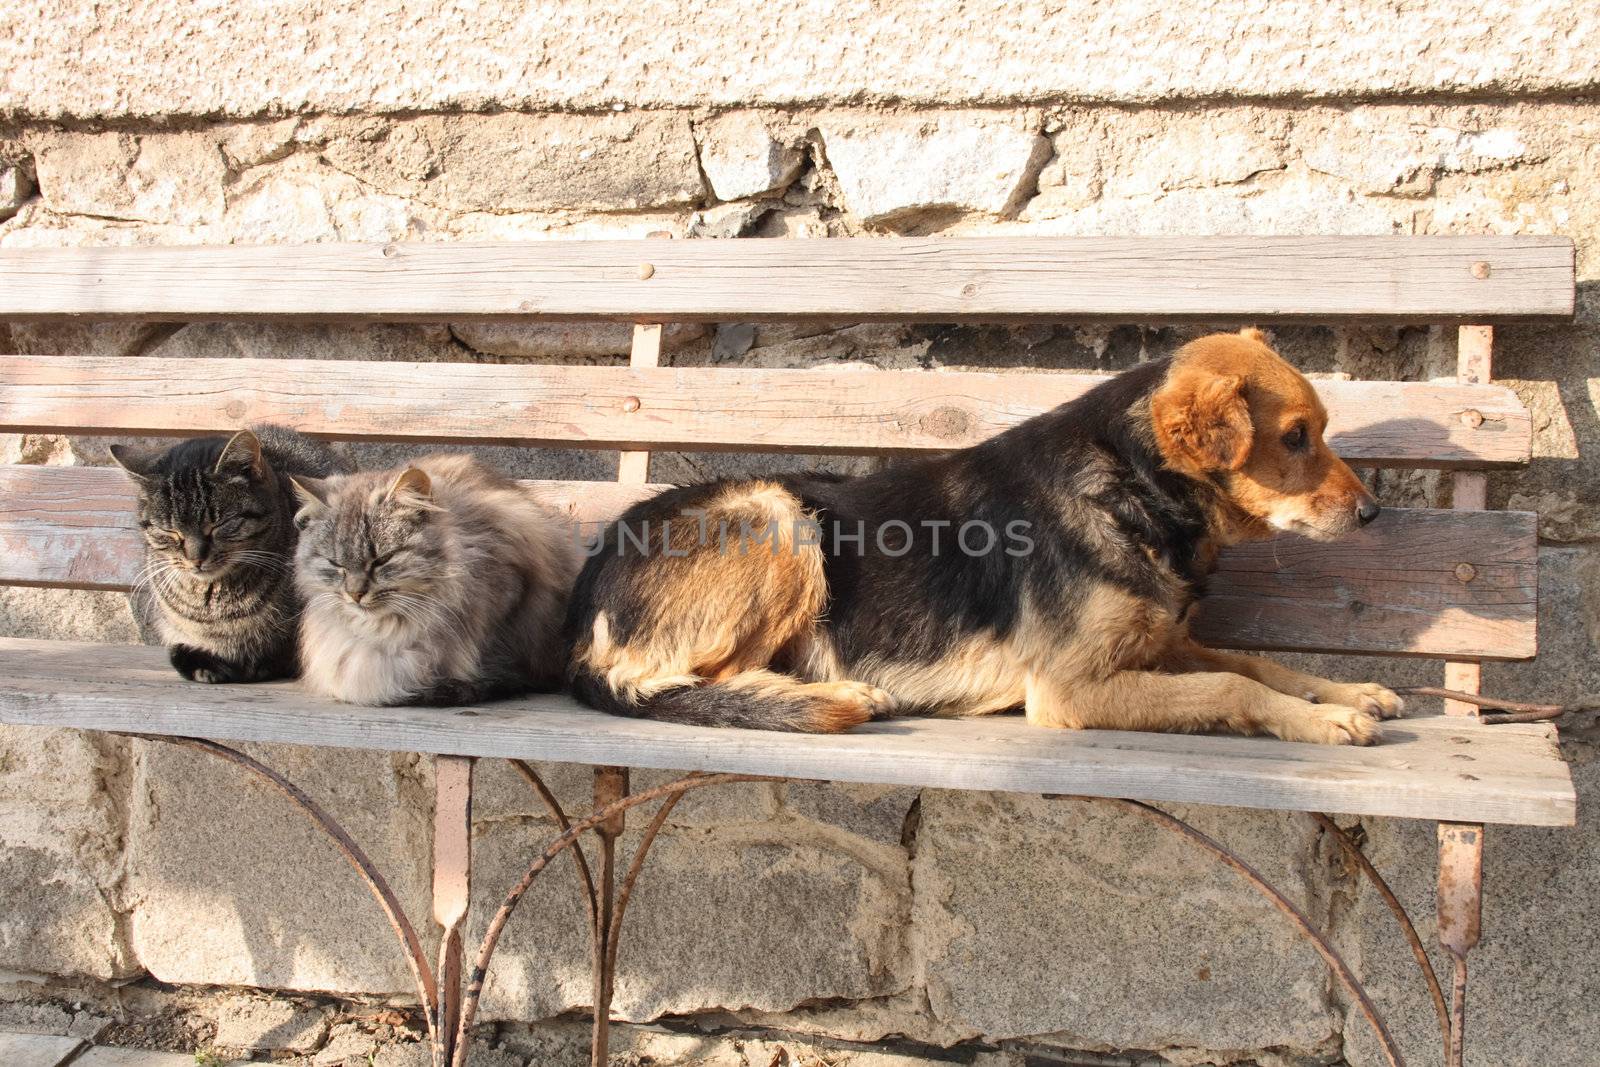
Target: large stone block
point(229, 883)
point(15, 188)
point(382, 343)
point(76, 338)
point(1078, 920)
point(566, 341)
point(760, 915)
point(173, 178)
point(60, 852)
point(1556, 372)
point(1146, 152)
point(509, 162)
point(743, 156)
point(1567, 669)
point(592, 55)
point(302, 200)
point(892, 168)
point(67, 615)
point(1289, 202)
point(1532, 980)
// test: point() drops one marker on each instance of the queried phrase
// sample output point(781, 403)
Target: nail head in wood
point(646, 271)
point(390, 251)
point(1465, 572)
point(631, 404)
point(1480, 269)
point(1472, 417)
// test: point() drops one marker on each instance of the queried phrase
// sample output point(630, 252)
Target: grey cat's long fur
point(443, 583)
point(217, 514)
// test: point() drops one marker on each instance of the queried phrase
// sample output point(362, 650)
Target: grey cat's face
point(374, 543)
point(206, 505)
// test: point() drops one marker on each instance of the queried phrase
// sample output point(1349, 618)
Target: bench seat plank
point(1432, 767)
point(1406, 424)
point(1394, 588)
point(928, 279)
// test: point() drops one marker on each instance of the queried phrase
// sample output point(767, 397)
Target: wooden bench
point(1455, 585)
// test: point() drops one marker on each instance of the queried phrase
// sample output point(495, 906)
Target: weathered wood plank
point(1391, 589)
point(935, 279)
point(1426, 768)
point(1410, 424)
point(1417, 580)
point(1469, 491)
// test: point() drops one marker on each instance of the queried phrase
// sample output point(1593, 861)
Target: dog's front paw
point(1331, 724)
point(1368, 696)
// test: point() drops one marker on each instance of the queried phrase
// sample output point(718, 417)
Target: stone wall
point(842, 912)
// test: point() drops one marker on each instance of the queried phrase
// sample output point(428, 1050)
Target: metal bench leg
point(611, 907)
point(1460, 918)
point(610, 786)
point(452, 890)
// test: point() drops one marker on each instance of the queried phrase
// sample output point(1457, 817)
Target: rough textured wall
point(155, 57)
point(854, 912)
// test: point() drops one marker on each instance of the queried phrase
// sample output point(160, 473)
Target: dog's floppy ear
point(1202, 421)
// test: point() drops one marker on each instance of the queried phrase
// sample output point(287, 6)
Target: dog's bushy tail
point(752, 700)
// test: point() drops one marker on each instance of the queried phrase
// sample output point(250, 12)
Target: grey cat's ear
point(135, 462)
point(413, 488)
point(313, 495)
point(241, 455)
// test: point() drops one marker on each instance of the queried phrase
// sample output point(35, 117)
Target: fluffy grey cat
point(217, 515)
point(443, 583)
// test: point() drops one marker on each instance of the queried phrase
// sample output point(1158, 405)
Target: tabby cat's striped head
point(206, 505)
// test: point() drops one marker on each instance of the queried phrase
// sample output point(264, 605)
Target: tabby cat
point(443, 583)
point(217, 515)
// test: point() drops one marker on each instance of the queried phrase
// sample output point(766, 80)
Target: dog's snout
point(1367, 510)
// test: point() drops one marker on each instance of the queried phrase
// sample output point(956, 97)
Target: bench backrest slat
point(1420, 582)
point(73, 527)
point(931, 279)
point(1408, 424)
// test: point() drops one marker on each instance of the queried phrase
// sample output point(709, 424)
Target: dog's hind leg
point(1192, 703)
point(703, 625)
point(1187, 655)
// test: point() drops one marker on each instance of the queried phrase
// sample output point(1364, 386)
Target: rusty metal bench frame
point(1470, 282)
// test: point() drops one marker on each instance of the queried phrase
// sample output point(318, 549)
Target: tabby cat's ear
point(135, 462)
point(241, 457)
point(313, 494)
point(413, 488)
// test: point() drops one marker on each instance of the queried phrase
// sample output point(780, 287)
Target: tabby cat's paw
point(200, 666)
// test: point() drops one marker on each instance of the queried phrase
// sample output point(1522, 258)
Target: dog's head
point(1232, 412)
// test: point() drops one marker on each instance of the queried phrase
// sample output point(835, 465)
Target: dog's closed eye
point(1296, 439)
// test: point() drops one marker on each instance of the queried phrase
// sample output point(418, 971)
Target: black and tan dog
point(1050, 568)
